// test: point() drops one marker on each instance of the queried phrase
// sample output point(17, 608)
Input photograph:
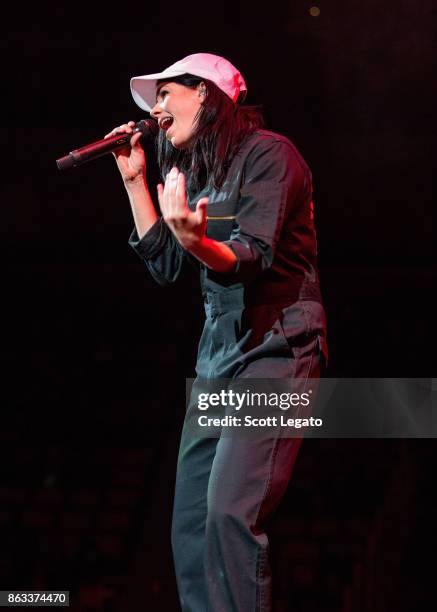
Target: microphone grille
point(148, 128)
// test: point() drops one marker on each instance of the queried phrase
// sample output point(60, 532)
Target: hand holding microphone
point(131, 160)
point(123, 142)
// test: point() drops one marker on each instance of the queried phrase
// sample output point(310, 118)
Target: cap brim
point(143, 88)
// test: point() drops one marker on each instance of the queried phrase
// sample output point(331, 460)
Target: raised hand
point(188, 227)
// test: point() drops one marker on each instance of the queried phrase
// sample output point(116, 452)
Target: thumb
point(201, 210)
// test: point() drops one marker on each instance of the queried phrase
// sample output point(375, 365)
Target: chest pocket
point(220, 219)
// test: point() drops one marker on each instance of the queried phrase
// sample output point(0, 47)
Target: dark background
point(95, 355)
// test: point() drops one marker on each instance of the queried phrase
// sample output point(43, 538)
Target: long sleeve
point(160, 251)
point(273, 184)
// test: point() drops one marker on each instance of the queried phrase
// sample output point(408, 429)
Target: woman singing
point(236, 200)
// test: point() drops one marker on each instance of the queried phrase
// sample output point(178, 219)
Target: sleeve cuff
point(251, 258)
point(152, 242)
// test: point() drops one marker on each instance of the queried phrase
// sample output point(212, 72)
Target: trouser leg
point(225, 490)
point(189, 519)
point(248, 480)
point(249, 477)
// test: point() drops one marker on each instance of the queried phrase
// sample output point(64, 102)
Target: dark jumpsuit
point(263, 320)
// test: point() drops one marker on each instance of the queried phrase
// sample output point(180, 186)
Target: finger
point(121, 130)
point(164, 195)
point(166, 200)
point(134, 141)
point(171, 190)
point(160, 190)
point(134, 144)
point(201, 209)
point(181, 195)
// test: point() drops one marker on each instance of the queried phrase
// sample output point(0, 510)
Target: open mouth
point(165, 123)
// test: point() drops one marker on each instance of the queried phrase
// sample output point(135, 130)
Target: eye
point(162, 94)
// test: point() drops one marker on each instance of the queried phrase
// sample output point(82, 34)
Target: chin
point(177, 144)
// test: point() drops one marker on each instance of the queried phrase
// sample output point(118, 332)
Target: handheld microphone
point(148, 128)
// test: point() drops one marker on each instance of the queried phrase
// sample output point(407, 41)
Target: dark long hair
point(220, 127)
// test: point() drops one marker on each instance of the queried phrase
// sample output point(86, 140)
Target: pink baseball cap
point(213, 67)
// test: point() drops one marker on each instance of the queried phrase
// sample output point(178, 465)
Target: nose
point(156, 111)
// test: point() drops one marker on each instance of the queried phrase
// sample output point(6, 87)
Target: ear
point(201, 89)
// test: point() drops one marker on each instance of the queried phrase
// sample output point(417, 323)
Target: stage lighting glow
point(314, 11)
